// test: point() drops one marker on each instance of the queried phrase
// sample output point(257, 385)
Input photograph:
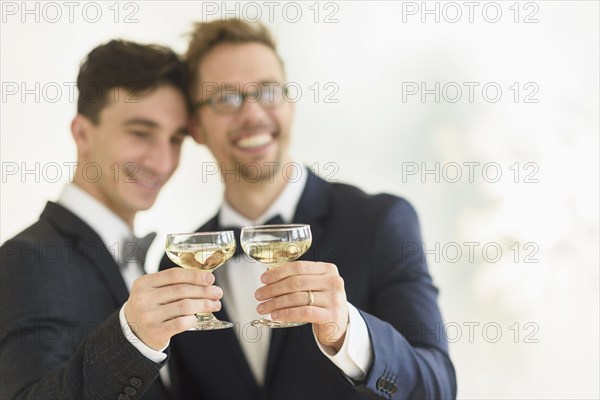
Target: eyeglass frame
point(211, 100)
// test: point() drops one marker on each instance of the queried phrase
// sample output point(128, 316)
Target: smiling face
point(126, 158)
point(254, 140)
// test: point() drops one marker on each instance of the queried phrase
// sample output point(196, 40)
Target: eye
point(140, 134)
point(230, 98)
point(271, 94)
point(177, 139)
point(254, 96)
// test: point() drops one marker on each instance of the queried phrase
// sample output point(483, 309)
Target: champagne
point(276, 245)
point(275, 254)
point(204, 256)
point(203, 251)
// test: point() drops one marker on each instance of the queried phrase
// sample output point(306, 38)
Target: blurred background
point(484, 115)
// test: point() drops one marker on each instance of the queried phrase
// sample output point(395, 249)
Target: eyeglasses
point(229, 101)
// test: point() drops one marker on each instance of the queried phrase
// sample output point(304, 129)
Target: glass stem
point(205, 317)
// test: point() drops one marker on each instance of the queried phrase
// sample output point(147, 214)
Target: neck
point(93, 190)
point(252, 199)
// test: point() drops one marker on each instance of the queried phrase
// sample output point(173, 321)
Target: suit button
point(136, 382)
point(394, 389)
point(130, 391)
point(388, 387)
point(381, 383)
point(123, 397)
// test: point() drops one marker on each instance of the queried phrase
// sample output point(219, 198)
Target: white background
point(372, 52)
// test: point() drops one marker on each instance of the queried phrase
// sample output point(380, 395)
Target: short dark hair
point(129, 65)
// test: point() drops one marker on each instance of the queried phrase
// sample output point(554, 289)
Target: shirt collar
point(109, 226)
point(285, 205)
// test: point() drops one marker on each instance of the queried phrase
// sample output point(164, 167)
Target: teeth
point(254, 141)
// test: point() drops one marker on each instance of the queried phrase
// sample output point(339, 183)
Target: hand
point(285, 295)
point(164, 304)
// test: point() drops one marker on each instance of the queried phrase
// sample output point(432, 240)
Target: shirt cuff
point(156, 356)
point(355, 355)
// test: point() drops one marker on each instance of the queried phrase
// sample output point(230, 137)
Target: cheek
point(128, 158)
point(128, 162)
point(176, 157)
point(216, 133)
point(208, 129)
point(118, 148)
point(284, 114)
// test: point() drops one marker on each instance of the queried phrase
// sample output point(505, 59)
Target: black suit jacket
point(60, 292)
point(376, 244)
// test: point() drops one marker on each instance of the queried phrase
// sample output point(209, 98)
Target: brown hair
point(208, 35)
point(132, 66)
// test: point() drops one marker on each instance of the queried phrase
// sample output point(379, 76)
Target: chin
point(142, 204)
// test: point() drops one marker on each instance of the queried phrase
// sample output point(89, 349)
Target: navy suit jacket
point(376, 244)
point(60, 295)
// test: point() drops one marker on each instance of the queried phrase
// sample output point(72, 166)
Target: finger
point(158, 334)
point(174, 276)
point(171, 293)
point(313, 315)
point(179, 324)
point(186, 307)
point(297, 283)
point(297, 299)
point(297, 268)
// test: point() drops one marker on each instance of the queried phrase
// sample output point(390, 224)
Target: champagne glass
point(205, 251)
point(275, 245)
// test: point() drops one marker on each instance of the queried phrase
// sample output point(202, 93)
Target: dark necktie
point(276, 220)
point(135, 249)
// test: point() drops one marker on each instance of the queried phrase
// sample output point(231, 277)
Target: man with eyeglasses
point(374, 324)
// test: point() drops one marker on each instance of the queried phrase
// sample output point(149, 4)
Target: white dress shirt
point(240, 278)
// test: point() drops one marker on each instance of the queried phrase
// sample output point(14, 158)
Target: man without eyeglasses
point(80, 320)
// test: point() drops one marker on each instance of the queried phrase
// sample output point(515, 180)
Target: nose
point(251, 112)
point(162, 158)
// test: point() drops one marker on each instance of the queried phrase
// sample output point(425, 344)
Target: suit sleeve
point(410, 352)
point(41, 356)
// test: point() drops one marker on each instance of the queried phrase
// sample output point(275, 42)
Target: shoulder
point(51, 225)
point(381, 204)
point(375, 214)
point(36, 235)
point(33, 266)
point(42, 248)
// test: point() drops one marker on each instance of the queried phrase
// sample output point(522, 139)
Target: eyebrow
point(182, 131)
point(141, 121)
point(237, 85)
point(151, 124)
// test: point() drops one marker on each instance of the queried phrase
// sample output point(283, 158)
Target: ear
point(196, 130)
point(81, 128)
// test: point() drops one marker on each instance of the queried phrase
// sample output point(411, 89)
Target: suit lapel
point(91, 247)
point(312, 209)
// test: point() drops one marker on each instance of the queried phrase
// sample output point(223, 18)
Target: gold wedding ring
point(311, 297)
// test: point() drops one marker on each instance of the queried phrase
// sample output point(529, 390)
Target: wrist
point(329, 336)
point(337, 345)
